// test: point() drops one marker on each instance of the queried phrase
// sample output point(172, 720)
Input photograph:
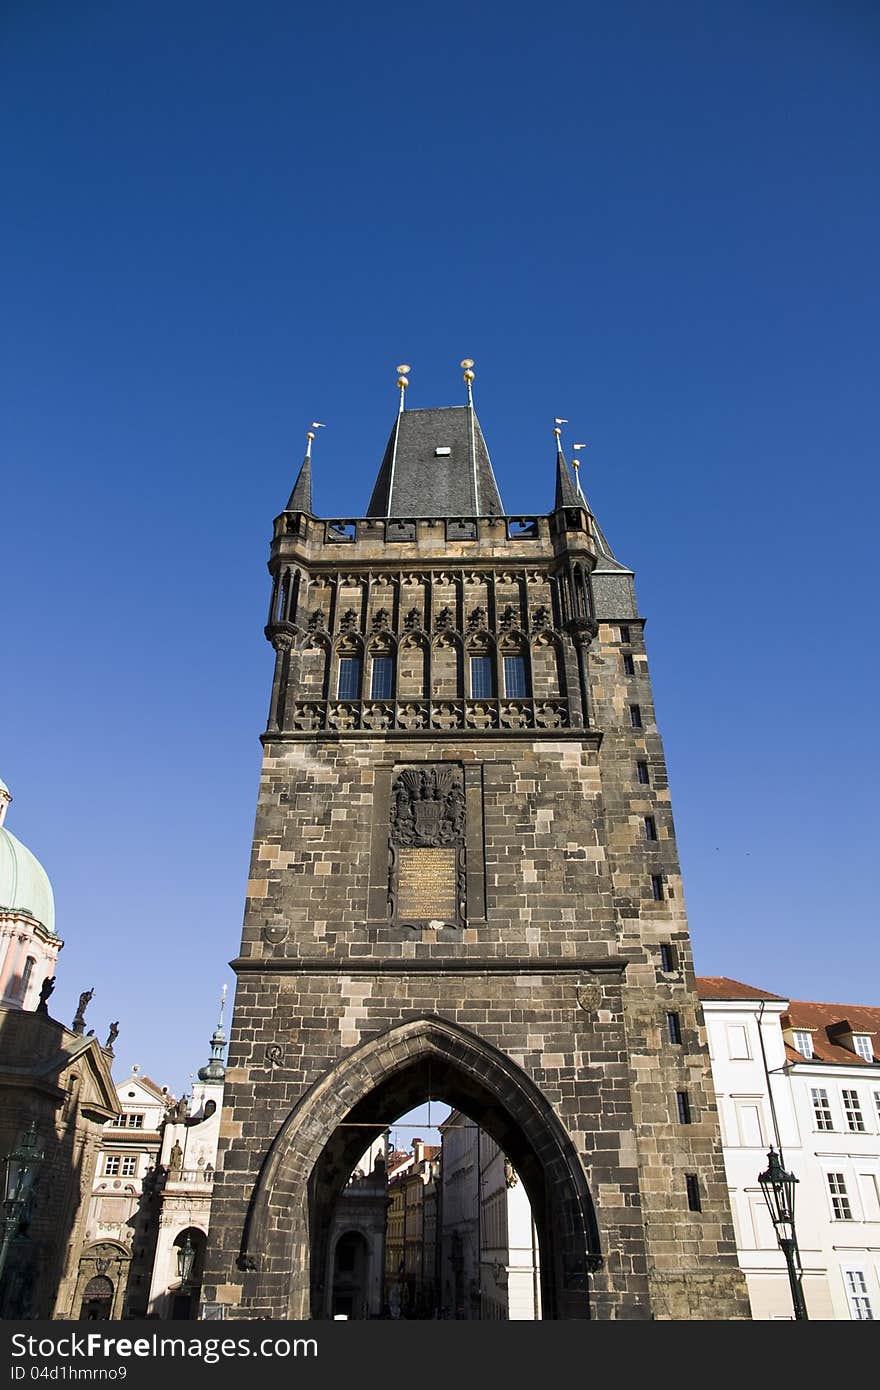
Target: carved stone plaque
point(427, 881)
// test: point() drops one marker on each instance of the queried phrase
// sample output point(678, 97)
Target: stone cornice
point(435, 965)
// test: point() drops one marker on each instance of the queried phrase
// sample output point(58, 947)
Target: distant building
point(804, 1077)
point(56, 1093)
point(410, 1260)
point(489, 1266)
point(357, 1240)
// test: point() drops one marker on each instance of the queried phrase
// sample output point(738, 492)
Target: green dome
point(24, 883)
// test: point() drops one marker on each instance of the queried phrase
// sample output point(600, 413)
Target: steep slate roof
point(414, 481)
point(301, 498)
point(567, 494)
point(721, 987)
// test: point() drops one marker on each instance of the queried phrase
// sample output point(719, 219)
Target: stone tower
point(465, 886)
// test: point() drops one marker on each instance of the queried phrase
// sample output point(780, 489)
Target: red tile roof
point(825, 1021)
point(721, 987)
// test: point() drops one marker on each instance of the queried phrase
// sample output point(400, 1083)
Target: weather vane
point(576, 463)
point(558, 422)
point(310, 434)
point(403, 371)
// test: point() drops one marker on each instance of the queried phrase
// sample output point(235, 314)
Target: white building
point(489, 1264)
point(805, 1078)
point(184, 1188)
point(28, 944)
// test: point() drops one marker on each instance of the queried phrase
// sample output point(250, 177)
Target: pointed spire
point(566, 492)
point(300, 499)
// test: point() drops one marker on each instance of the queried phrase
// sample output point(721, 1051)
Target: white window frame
point(835, 1184)
point(803, 1041)
point(128, 1166)
point(740, 1104)
point(115, 1160)
point(863, 1047)
point(857, 1295)
point(852, 1110)
point(821, 1109)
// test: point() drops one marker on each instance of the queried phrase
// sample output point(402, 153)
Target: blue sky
point(224, 221)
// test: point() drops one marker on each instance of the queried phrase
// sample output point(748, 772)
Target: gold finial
point(468, 365)
point(403, 371)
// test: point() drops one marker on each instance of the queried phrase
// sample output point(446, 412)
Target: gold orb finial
point(468, 365)
point(403, 371)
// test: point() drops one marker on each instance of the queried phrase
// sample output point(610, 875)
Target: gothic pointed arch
point(316, 1147)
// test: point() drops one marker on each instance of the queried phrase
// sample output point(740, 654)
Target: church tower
point(464, 886)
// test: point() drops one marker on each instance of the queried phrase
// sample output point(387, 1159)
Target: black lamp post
point(778, 1188)
point(22, 1167)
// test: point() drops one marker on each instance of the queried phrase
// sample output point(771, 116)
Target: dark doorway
point(97, 1300)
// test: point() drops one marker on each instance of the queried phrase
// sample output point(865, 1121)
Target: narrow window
point(650, 828)
point(481, 678)
point(381, 678)
point(692, 1183)
point(803, 1041)
point(26, 976)
point(657, 888)
point(625, 635)
point(683, 1104)
point(859, 1302)
point(862, 1045)
point(877, 1105)
point(628, 664)
point(840, 1204)
point(821, 1108)
point(668, 960)
point(515, 678)
point(673, 1027)
point(853, 1111)
point(349, 678)
point(635, 716)
point(644, 775)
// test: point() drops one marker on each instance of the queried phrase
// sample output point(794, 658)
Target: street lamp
point(778, 1188)
point(22, 1167)
point(186, 1254)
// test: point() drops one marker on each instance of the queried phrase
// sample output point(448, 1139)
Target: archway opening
point(97, 1299)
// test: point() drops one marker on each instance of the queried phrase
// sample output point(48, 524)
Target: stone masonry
point(464, 883)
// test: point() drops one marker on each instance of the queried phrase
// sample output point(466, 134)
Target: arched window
point(26, 974)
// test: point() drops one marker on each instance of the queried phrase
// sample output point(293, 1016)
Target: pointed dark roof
point(416, 480)
point(567, 494)
point(301, 497)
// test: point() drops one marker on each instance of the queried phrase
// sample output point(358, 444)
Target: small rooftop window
point(442, 451)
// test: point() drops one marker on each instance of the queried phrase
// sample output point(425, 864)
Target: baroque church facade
point(464, 886)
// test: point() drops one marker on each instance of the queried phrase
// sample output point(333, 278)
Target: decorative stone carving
point(274, 933)
point(412, 620)
point(381, 619)
point(476, 618)
point(514, 716)
point(349, 621)
point(550, 716)
point(413, 717)
point(274, 1055)
point(540, 618)
point(315, 620)
point(589, 996)
point(509, 617)
point(377, 717)
point(480, 716)
point(282, 638)
point(447, 717)
point(343, 717)
point(583, 630)
point(308, 716)
point(427, 807)
point(445, 619)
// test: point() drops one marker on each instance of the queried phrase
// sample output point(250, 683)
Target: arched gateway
point(464, 886)
point(351, 1104)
